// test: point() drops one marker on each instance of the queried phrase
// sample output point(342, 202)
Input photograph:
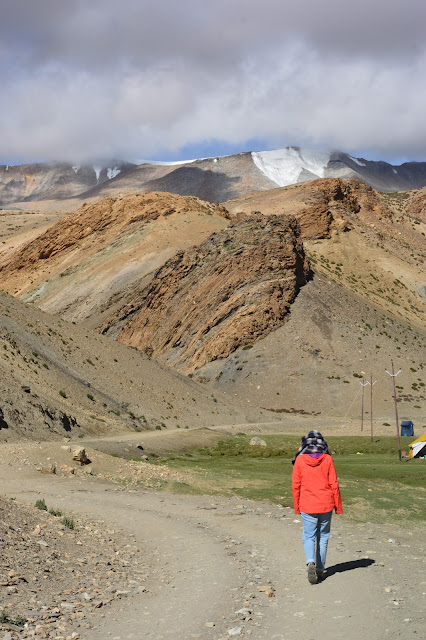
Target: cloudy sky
point(178, 79)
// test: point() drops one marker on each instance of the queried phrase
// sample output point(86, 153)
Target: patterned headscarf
point(312, 443)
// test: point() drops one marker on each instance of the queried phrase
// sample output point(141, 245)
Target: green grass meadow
point(375, 485)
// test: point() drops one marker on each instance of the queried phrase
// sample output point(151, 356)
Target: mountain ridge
point(217, 179)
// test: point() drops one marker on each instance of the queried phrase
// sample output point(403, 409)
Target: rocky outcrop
point(321, 207)
point(416, 206)
point(336, 201)
point(229, 292)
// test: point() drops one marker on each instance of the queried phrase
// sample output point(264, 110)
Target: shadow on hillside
point(348, 566)
point(213, 186)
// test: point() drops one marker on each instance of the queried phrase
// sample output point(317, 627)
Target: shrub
point(68, 522)
point(41, 504)
point(19, 621)
point(62, 393)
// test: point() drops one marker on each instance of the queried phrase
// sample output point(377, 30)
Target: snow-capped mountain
point(215, 179)
point(295, 164)
point(54, 181)
point(292, 164)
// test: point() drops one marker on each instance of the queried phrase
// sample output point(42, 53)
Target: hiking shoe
point(321, 574)
point(312, 574)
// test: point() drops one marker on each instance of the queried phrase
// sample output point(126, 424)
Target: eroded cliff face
point(322, 208)
point(209, 300)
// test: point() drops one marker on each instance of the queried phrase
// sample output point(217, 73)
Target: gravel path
point(217, 568)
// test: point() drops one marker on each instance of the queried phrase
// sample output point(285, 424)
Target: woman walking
point(315, 494)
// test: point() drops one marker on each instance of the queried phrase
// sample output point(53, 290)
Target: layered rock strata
point(207, 301)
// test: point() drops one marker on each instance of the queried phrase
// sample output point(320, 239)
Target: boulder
point(79, 454)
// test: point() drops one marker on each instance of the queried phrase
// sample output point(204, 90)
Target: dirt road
point(213, 562)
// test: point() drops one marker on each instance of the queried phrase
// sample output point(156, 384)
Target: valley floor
point(216, 567)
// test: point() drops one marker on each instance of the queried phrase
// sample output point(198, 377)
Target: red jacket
point(315, 485)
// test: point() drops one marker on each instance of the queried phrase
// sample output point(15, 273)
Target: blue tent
point(407, 428)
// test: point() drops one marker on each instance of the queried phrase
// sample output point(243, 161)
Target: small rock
point(42, 543)
point(67, 469)
point(257, 442)
point(235, 631)
point(50, 469)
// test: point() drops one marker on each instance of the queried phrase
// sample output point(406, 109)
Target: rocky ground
point(146, 564)
point(56, 569)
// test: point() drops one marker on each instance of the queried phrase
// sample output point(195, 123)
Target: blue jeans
point(316, 531)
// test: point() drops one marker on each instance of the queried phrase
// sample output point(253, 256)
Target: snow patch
point(112, 173)
point(97, 170)
point(284, 166)
point(165, 163)
point(75, 169)
point(394, 170)
point(358, 162)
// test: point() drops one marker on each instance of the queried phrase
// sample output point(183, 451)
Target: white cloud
point(83, 80)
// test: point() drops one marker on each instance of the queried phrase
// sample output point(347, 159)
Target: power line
point(393, 376)
point(363, 384)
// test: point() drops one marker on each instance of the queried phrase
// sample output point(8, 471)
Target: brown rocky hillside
point(90, 258)
point(58, 379)
point(365, 305)
point(207, 301)
point(321, 207)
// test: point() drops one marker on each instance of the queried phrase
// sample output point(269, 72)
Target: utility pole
point(393, 376)
point(371, 405)
point(363, 384)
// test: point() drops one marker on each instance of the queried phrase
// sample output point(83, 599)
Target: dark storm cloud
point(83, 79)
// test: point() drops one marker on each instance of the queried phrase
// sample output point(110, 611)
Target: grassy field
point(375, 485)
